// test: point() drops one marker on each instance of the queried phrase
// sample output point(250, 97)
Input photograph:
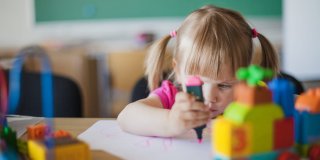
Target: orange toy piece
point(37, 131)
point(60, 134)
point(309, 101)
point(252, 95)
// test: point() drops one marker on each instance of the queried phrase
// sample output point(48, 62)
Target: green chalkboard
point(60, 10)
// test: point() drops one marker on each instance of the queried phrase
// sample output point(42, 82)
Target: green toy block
point(236, 112)
point(10, 137)
point(253, 74)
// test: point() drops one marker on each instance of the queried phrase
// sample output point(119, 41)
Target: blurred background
point(100, 45)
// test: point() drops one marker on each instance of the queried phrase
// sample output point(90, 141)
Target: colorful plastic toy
point(37, 131)
point(64, 148)
point(255, 127)
point(307, 123)
point(42, 143)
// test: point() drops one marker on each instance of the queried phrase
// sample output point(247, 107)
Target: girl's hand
point(187, 113)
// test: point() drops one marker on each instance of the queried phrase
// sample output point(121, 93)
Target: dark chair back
point(67, 96)
point(296, 83)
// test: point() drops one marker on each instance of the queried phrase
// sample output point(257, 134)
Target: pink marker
point(194, 87)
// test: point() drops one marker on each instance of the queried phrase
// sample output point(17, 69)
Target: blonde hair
point(209, 38)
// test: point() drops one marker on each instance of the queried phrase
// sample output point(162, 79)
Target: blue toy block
point(9, 154)
point(283, 95)
point(2, 157)
point(307, 127)
point(220, 157)
point(298, 132)
point(264, 156)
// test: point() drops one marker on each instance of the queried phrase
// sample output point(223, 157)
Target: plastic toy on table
point(255, 127)
point(42, 141)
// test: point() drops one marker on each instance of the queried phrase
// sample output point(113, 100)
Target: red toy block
point(309, 101)
point(251, 96)
point(314, 152)
point(288, 156)
point(283, 133)
point(37, 131)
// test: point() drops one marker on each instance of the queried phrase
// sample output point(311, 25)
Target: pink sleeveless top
point(167, 93)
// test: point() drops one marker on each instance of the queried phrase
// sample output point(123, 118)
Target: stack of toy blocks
point(41, 143)
point(58, 145)
point(252, 127)
point(307, 123)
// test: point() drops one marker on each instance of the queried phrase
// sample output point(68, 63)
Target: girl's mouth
point(213, 110)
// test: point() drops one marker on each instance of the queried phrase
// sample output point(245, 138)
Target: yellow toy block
point(36, 150)
point(261, 118)
point(64, 148)
point(230, 139)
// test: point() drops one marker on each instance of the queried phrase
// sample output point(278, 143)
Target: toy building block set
point(264, 123)
point(41, 142)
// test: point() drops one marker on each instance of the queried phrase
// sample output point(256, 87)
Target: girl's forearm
point(141, 119)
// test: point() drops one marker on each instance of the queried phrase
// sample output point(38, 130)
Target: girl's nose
point(210, 93)
point(211, 103)
point(212, 100)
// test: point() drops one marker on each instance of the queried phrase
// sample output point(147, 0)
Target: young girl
point(212, 43)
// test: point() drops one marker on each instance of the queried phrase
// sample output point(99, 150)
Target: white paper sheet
point(106, 135)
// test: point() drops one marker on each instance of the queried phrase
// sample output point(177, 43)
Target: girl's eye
point(224, 86)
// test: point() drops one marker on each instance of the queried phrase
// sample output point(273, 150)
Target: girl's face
point(218, 93)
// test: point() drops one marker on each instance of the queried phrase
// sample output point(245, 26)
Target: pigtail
point(154, 63)
point(269, 58)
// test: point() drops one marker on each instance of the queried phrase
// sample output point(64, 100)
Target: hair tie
point(173, 34)
point(254, 33)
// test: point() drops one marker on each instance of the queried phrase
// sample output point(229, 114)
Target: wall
point(301, 50)
point(18, 28)
point(16, 22)
point(59, 10)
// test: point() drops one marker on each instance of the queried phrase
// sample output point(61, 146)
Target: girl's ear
point(178, 77)
point(174, 64)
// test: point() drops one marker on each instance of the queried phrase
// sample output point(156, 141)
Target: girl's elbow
point(122, 118)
